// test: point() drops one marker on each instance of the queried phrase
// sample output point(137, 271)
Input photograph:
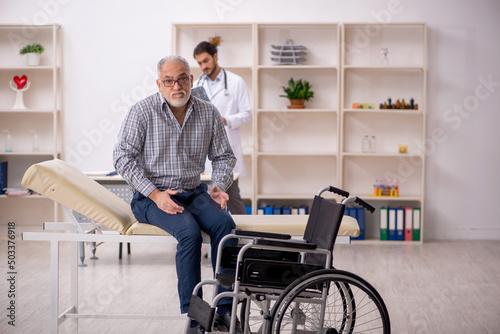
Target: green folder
point(416, 224)
point(383, 223)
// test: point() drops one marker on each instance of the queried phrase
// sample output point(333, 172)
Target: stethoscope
point(205, 78)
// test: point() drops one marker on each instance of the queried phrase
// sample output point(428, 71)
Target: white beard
point(177, 102)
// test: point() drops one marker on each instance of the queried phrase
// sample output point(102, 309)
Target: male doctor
point(228, 92)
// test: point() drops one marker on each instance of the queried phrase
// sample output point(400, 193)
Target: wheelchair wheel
point(329, 301)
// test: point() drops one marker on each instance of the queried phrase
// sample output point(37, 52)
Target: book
point(286, 210)
point(17, 191)
point(3, 176)
point(392, 224)
point(416, 224)
point(360, 216)
point(383, 223)
point(302, 210)
point(408, 224)
point(400, 224)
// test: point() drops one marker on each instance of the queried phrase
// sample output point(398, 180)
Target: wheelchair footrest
point(226, 280)
point(201, 311)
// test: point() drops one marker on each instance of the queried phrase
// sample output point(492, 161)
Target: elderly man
point(161, 151)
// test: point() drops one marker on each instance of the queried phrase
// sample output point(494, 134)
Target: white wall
point(111, 49)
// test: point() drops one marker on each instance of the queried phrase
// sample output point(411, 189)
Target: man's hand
point(164, 202)
point(219, 197)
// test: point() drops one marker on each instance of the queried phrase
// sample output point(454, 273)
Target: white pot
point(33, 59)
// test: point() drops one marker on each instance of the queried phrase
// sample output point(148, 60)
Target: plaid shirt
point(154, 151)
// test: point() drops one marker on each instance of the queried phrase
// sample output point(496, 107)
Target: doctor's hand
point(164, 202)
point(219, 197)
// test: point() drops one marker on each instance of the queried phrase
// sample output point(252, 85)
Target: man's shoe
point(197, 330)
point(223, 322)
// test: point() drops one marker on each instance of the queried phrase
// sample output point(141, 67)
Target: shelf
point(29, 153)
point(35, 111)
point(305, 110)
point(416, 112)
point(383, 155)
point(295, 153)
point(385, 242)
point(286, 196)
point(28, 68)
point(385, 68)
point(34, 196)
point(296, 67)
point(389, 198)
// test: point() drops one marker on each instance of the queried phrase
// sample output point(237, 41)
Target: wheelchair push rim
point(329, 301)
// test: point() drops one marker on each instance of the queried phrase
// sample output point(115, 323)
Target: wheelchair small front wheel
point(329, 301)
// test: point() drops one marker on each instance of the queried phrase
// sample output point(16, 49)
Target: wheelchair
point(290, 286)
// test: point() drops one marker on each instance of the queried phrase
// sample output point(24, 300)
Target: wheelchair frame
point(293, 301)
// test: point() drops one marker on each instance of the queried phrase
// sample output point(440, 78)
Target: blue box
point(3, 176)
point(360, 216)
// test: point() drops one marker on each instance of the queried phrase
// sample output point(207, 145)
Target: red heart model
point(20, 81)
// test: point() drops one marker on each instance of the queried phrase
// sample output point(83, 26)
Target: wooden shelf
point(44, 102)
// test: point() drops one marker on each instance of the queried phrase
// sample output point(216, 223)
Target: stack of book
point(17, 191)
point(283, 210)
point(402, 223)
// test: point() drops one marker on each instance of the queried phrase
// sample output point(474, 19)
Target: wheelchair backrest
point(322, 227)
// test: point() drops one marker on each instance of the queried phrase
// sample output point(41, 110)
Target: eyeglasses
point(181, 81)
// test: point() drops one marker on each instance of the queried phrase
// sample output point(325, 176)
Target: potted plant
point(33, 52)
point(298, 92)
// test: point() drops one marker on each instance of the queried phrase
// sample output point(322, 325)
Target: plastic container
point(8, 142)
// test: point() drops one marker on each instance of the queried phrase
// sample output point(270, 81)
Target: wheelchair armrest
point(286, 244)
point(258, 234)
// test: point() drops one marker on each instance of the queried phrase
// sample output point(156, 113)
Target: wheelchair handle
point(364, 204)
point(333, 190)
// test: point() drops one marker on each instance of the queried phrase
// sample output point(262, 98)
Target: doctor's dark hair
point(205, 47)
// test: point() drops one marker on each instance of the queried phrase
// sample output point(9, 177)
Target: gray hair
point(172, 59)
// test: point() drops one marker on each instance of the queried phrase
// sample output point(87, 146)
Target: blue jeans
point(201, 213)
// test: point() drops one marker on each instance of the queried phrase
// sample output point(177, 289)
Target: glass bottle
point(373, 144)
point(365, 145)
point(385, 60)
point(36, 147)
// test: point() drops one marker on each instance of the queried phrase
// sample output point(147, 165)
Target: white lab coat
point(234, 107)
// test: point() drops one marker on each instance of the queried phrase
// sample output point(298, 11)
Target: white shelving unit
point(296, 150)
point(290, 154)
point(43, 114)
point(367, 78)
